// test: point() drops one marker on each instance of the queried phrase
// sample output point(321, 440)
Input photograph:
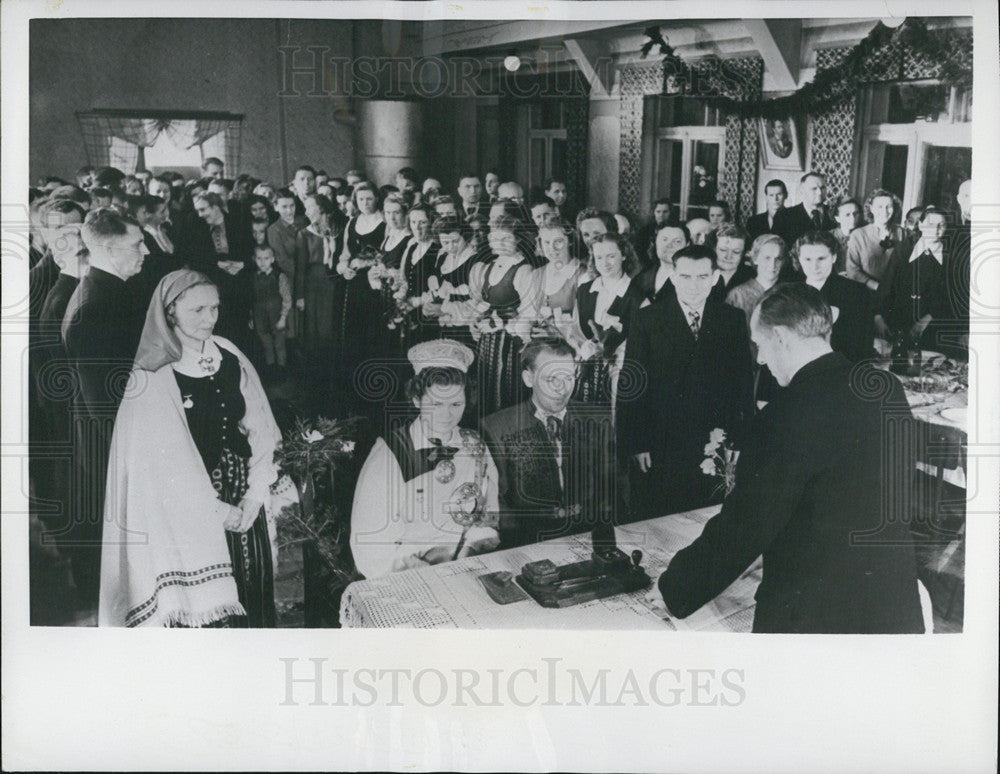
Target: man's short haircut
point(264, 248)
point(73, 193)
point(590, 213)
point(665, 201)
point(212, 199)
point(934, 210)
point(696, 253)
point(467, 174)
point(825, 238)
point(108, 177)
point(212, 160)
point(680, 227)
point(62, 207)
point(337, 182)
point(551, 180)
point(409, 174)
point(777, 184)
point(731, 231)
point(450, 224)
point(809, 174)
point(535, 347)
point(145, 202)
point(305, 167)
point(796, 306)
point(284, 193)
point(543, 199)
point(103, 224)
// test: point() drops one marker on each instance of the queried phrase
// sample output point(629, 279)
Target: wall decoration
point(779, 144)
point(952, 66)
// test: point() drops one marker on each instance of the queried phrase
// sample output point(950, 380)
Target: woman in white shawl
point(187, 541)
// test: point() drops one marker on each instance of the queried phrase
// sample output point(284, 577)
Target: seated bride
point(428, 491)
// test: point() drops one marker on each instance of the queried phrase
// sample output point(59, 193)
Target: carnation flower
point(313, 436)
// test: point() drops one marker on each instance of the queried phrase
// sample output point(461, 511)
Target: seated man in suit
point(555, 458)
point(832, 564)
point(692, 353)
point(775, 194)
point(654, 283)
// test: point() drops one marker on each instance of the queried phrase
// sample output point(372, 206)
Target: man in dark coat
point(692, 354)
point(762, 223)
point(832, 563)
point(555, 458)
point(654, 283)
point(101, 335)
point(809, 215)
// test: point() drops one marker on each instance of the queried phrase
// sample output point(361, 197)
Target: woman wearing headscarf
point(187, 541)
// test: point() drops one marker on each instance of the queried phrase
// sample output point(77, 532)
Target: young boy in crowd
point(272, 302)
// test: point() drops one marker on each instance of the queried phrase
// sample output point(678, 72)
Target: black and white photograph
point(537, 325)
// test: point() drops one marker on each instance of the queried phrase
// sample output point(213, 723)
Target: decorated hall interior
point(647, 324)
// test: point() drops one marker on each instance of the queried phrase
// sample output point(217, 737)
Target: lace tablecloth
point(450, 596)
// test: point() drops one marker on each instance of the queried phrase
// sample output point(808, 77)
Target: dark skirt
point(249, 551)
point(594, 383)
point(499, 382)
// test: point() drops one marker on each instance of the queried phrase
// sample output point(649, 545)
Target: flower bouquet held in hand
point(309, 454)
point(720, 461)
point(467, 504)
point(391, 283)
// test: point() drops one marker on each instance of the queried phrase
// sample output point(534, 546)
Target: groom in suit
point(820, 491)
point(555, 458)
point(808, 215)
point(692, 354)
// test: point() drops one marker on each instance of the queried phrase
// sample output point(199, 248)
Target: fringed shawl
point(165, 559)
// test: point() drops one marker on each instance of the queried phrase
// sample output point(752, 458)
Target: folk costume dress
point(506, 292)
point(418, 263)
point(393, 247)
point(194, 433)
point(360, 310)
point(409, 491)
point(558, 287)
point(457, 310)
point(604, 310)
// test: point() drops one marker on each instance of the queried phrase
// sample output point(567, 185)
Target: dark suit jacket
point(645, 285)
point(854, 329)
point(792, 222)
point(832, 563)
point(530, 494)
point(690, 387)
point(757, 225)
point(101, 336)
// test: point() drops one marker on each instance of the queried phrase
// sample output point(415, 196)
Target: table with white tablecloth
point(451, 596)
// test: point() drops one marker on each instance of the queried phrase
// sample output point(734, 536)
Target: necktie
point(817, 219)
point(553, 426)
point(694, 320)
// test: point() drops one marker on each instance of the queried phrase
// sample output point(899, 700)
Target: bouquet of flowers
point(551, 322)
point(447, 300)
point(309, 453)
point(392, 284)
point(720, 461)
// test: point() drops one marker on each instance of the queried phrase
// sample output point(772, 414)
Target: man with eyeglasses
point(555, 457)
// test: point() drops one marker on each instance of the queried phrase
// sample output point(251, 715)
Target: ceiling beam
point(779, 42)
point(595, 62)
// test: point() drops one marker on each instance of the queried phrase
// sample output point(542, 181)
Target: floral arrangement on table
point(309, 453)
point(720, 461)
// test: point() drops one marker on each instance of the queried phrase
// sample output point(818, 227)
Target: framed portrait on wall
point(779, 142)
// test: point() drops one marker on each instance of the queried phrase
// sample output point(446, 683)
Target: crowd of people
point(565, 368)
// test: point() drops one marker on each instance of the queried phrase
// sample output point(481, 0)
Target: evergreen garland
point(827, 88)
